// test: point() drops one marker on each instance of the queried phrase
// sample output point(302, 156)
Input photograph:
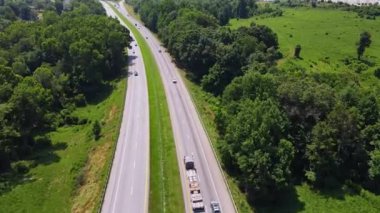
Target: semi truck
point(196, 198)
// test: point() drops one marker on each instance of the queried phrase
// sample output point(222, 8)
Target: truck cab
point(189, 162)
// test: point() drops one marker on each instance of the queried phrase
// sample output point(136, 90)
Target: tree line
point(283, 127)
point(277, 127)
point(50, 66)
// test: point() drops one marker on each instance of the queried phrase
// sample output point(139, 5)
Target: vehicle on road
point(136, 73)
point(174, 81)
point(159, 51)
point(215, 207)
point(196, 197)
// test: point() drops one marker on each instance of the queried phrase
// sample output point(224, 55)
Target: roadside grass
point(130, 10)
point(165, 185)
point(302, 198)
point(63, 176)
point(206, 105)
point(326, 36)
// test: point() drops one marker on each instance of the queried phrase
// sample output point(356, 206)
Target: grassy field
point(165, 185)
point(303, 199)
point(326, 36)
point(70, 175)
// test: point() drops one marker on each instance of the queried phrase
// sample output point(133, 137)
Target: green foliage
point(153, 12)
point(52, 65)
point(96, 129)
point(256, 143)
point(21, 167)
point(377, 73)
point(364, 42)
point(297, 51)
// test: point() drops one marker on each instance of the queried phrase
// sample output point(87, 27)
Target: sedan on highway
point(215, 208)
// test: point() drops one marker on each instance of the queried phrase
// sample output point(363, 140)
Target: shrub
point(96, 129)
point(80, 100)
point(21, 167)
point(377, 73)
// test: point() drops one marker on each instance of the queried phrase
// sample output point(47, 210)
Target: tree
point(255, 142)
point(364, 42)
point(59, 6)
point(242, 9)
point(335, 151)
point(297, 51)
point(377, 72)
point(96, 129)
point(20, 68)
point(369, 109)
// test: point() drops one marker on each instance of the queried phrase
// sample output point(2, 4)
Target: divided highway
point(189, 134)
point(128, 184)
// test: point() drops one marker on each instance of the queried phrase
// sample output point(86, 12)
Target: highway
point(189, 134)
point(128, 184)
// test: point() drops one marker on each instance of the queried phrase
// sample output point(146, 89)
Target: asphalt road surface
point(128, 185)
point(189, 134)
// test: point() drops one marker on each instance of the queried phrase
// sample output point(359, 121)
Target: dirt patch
point(112, 113)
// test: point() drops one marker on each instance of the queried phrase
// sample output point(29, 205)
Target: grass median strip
point(165, 186)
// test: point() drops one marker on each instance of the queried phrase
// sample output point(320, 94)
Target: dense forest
point(51, 62)
point(277, 126)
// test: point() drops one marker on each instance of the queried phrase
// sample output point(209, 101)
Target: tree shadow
point(10, 180)
point(47, 156)
point(285, 202)
point(99, 93)
point(339, 191)
point(131, 59)
point(43, 156)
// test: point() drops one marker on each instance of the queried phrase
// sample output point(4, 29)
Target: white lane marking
point(132, 190)
point(134, 164)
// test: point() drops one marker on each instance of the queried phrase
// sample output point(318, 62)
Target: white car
point(215, 208)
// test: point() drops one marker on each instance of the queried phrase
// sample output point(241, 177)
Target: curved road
point(128, 184)
point(189, 134)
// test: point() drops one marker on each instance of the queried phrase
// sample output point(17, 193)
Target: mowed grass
point(63, 179)
point(165, 185)
point(326, 36)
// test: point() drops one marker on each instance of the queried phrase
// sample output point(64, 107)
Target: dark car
point(136, 73)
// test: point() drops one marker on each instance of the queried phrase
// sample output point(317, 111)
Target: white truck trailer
point(196, 198)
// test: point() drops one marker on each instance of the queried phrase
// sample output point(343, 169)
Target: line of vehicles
point(196, 197)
